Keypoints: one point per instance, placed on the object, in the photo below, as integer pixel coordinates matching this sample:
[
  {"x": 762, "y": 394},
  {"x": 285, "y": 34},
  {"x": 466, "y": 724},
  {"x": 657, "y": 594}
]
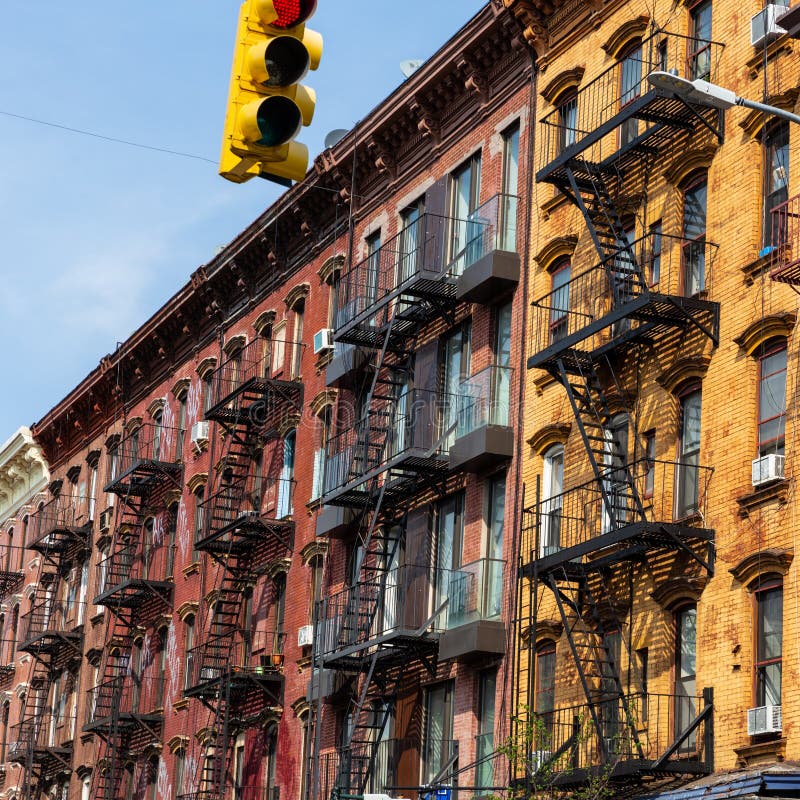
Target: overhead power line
[{"x": 107, "y": 138}]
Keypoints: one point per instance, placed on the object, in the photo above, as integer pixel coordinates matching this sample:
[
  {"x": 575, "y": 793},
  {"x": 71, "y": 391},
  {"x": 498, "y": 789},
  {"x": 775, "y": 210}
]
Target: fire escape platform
[
  {"x": 242, "y": 403},
  {"x": 663, "y": 111},
  {"x": 621, "y": 544},
  {"x": 268, "y": 680},
  {"x": 656, "y": 314},
  {"x": 418, "y": 299},
  {"x": 140, "y": 478},
  {"x": 9, "y": 579},
  {"x": 246, "y": 530},
  {"x": 630, "y": 771},
  {"x": 51, "y": 642},
  {"x": 60, "y": 538},
  {"x": 393, "y": 648},
  {"x": 125, "y": 721},
  {"x": 400, "y": 473},
  {"x": 133, "y": 593}
]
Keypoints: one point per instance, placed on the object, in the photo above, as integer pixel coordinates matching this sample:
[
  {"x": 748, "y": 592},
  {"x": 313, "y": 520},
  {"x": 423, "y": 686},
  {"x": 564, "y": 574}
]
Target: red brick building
[{"x": 272, "y": 559}]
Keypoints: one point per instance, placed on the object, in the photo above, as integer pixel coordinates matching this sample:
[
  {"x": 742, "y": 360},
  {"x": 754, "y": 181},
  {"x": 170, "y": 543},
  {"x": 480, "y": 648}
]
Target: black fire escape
[
  {"x": 125, "y": 709},
  {"x": 52, "y": 633},
  {"x": 633, "y": 306},
  {"x": 388, "y": 454},
  {"x": 247, "y": 526}
]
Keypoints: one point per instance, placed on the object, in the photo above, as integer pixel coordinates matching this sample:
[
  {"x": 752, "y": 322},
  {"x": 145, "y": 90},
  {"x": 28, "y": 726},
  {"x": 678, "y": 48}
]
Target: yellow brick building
[{"x": 658, "y": 600}]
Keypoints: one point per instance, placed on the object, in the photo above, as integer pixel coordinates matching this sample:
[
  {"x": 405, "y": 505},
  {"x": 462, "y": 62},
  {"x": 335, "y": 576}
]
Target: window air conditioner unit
[
  {"x": 539, "y": 758},
  {"x": 105, "y": 519},
  {"x": 763, "y": 25},
  {"x": 767, "y": 468},
  {"x": 200, "y": 431},
  {"x": 305, "y": 636},
  {"x": 323, "y": 340},
  {"x": 764, "y": 719}
]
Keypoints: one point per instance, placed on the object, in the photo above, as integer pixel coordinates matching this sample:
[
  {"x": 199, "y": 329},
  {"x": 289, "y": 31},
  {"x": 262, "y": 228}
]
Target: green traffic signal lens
[{"x": 279, "y": 121}]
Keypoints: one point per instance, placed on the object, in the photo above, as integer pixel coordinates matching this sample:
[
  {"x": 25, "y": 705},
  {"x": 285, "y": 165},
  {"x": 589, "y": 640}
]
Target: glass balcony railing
[
  {"x": 475, "y": 592},
  {"x": 484, "y": 399}
]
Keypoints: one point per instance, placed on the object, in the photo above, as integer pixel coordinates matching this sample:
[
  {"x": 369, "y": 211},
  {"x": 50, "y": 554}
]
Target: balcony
[
  {"x": 398, "y": 610},
  {"x": 259, "y": 384},
  {"x": 389, "y": 766},
  {"x": 236, "y": 518},
  {"x": 146, "y": 457},
  {"x": 402, "y": 442},
  {"x": 52, "y": 626},
  {"x": 654, "y": 734},
  {"x": 484, "y": 437},
  {"x": 783, "y": 245},
  {"x": 601, "y": 522},
  {"x": 44, "y": 740},
  {"x": 619, "y": 301},
  {"x": 615, "y": 120},
  {"x": 124, "y": 703},
  {"x": 240, "y": 660},
  {"x": 11, "y": 569},
  {"x": 132, "y": 575},
  {"x": 474, "y": 624},
  {"x": 59, "y": 525}
]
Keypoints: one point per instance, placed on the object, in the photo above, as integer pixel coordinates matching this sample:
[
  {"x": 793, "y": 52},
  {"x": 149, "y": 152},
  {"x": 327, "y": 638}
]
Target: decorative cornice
[
  {"x": 330, "y": 267},
  {"x": 772, "y": 326},
  {"x": 312, "y": 550},
  {"x": 634, "y": 28},
  {"x": 546, "y": 437},
  {"x": 186, "y": 609},
  {"x": 692, "y": 161},
  {"x": 754, "y": 120},
  {"x": 196, "y": 481},
  {"x": 556, "y": 249},
  {"x": 326, "y": 397},
  {"x": 180, "y": 386},
  {"x": 265, "y": 319},
  {"x": 671, "y": 593},
  {"x": 205, "y": 365},
  {"x": 296, "y": 294},
  {"x": 234, "y": 343},
  {"x": 682, "y": 371},
  {"x": 752, "y": 568},
  {"x": 566, "y": 79}
]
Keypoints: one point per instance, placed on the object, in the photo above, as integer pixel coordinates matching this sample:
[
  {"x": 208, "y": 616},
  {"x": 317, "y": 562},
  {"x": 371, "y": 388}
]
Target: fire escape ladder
[
  {"x": 578, "y": 373},
  {"x": 216, "y": 769},
  {"x": 594, "y": 661}
]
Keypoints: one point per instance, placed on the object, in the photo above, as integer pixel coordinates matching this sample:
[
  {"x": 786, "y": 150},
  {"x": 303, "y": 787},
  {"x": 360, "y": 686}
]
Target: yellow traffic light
[{"x": 267, "y": 105}]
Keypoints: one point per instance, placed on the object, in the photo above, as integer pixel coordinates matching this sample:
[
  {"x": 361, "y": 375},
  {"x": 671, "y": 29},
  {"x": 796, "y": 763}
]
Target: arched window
[
  {"x": 630, "y": 76},
  {"x": 322, "y": 431},
  {"x": 768, "y": 599},
  {"x": 199, "y": 519},
  {"x": 172, "y": 531},
  {"x": 160, "y": 661},
  {"x": 688, "y": 494},
  {"x": 552, "y": 487},
  {"x": 188, "y": 650},
  {"x": 158, "y": 424},
  {"x": 772, "y": 398},
  {"x": 559, "y": 304},
  {"x": 685, "y": 672},
  {"x": 180, "y": 428},
  {"x": 286, "y": 487},
  {"x": 567, "y": 106},
  {"x": 693, "y": 235}
]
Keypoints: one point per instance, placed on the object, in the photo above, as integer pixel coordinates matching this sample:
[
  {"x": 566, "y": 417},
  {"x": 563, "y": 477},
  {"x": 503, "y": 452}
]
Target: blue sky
[{"x": 97, "y": 235}]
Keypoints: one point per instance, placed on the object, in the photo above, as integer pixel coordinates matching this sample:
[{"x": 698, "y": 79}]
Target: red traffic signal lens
[{"x": 293, "y": 12}]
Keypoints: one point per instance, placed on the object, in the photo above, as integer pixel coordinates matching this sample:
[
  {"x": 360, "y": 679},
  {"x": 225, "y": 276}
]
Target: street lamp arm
[{"x": 772, "y": 110}]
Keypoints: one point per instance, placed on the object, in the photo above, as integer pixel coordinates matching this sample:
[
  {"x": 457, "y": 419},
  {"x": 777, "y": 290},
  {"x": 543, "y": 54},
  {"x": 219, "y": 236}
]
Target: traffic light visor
[
  {"x": 271, "y": 122},
  {"x": 285, "y": 13}
]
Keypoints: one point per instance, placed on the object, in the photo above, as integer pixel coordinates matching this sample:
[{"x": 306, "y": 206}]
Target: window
[
  {"x": 689, "y": 453},
  {"x": 769, "y": 643},
  {"x": 642, "y": 658},
  {"x": 279, "y": 605},
  {"x": 568, "y": 122},
  {"x": 686, "y": 672},
  {"x": 454, "y": 360},
  {"x": 501, "y": 388},
  {"x": 373, "y": 276},
  {"x": 4, "y": 723},
  {"x": 465, "y": 187},
  {"x": 180, "y": 433},
  {"x": 630, "y": 89},
  {"x": 437, "y": 743},
  {"x": 199, "y": 515},
  {"x": 772, "y": 400},
  {"x": 545, "y": 686},
  {"x": 559, "y": 309},
  {"x": 484, "y": 744},
  {"x": 179, "y": 772},
  {"x": 286, "y": 487},
  {"x": 510, "y": 184},
  {"x": 610, "y": 668},
  {"x": 188, "y": 645},
  {"x": 158, "y": 418},
  {"x": 776, "y": 182},
  {"x": 172, "y": 532},
  {"x": 92, "y": 491},
  {"x": 449, "y": 543},
  {"x": 207, "y": 380},
  {"x": 316, "y": 566},
  {"x": 298, "y": 313},
  {"x": 161, "y": 666},
  {"x": 14, "y": 631},
  {"x": 552, "y": 487},
  {"x": 271, "y": 760},
  {"x": 321, "y": 436},
  {"x": 695, "y": 200},
  {"x": 10, "y": 550},
  {"x": 616, "y": 484},
  {"x": 494, "y": 545},
  {"x": 699, "y": 56},
  {"x": 654, "y": 259},
  {"x": 649, "y": 463},
  {"x": 411, "y": 238},
  {"x": 279, "y": 348}
]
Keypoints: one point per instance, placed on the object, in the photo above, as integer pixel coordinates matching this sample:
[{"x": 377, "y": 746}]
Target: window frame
[
  {"x": 765, "y": 447},
  {"x": 767, "y": 585}
]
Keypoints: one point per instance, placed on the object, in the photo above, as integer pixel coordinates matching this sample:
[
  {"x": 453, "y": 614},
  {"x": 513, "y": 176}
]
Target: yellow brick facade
[{"x": 754, "y": 530}]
